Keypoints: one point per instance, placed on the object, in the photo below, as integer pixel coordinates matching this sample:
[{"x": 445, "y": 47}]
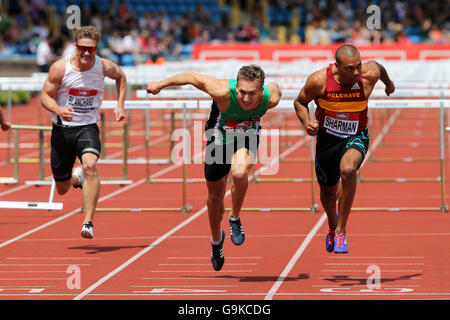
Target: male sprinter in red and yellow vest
[{"x": 340, "y": 92}]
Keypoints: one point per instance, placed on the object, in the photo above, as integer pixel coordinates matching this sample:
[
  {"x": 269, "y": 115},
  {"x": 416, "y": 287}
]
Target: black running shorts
[
  {"x": 218, "y": 157},
  {"x": 69, "y": 142},
  {"x": 329, "y": 152}
]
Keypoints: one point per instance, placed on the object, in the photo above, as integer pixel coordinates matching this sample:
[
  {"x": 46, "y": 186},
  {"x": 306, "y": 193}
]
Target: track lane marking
[
  {"x": 323, "y": 217},
  {"x": 172, "y": 231}
]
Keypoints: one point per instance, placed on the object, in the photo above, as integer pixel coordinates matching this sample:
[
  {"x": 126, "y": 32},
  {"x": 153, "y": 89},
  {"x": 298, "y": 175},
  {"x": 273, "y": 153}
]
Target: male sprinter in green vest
[{"x": 233, "y": 136}]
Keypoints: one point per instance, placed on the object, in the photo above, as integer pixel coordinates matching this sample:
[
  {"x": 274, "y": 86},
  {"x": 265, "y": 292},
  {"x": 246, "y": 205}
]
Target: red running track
[{"x": 166, "y": 255}]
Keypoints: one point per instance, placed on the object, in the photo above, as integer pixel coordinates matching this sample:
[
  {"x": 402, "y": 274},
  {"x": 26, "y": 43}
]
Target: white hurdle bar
[
  {"x": 283, "y": 104},
  {"x": 440, "y": 104},
  {"x": 50, "y": 205},
  {"x": 292, "y": 94}
]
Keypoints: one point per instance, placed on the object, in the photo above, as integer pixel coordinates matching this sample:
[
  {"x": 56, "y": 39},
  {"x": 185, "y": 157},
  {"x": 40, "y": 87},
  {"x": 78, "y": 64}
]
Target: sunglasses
[{"x": 86, "y": 48}]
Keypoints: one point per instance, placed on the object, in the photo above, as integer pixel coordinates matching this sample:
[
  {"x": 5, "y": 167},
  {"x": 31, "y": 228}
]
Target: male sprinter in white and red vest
[
  {"x": 341, "y": 93},
  {"x": 73, "y": 92}
]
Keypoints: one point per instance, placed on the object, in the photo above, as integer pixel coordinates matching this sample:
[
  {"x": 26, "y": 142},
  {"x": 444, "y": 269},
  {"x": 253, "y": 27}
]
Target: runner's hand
[
  {"x": 6, "y": 126},
  {"x": 390, "y": 88},
  {"x": 312, "y": 127},
  {"x": 153, "y": 88},
  {"x": 120, "y": 113},
  {"x": 66, "y": 113}
]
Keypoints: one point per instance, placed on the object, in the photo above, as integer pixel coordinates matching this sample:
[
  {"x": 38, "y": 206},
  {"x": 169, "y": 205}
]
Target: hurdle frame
[
  {"x": 49, "y": 205},
  {"x": 418, "y": 103}
]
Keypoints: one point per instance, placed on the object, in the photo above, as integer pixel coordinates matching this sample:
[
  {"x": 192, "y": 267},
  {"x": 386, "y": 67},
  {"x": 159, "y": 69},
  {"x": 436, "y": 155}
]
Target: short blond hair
[{"x": 89, "y": 32}]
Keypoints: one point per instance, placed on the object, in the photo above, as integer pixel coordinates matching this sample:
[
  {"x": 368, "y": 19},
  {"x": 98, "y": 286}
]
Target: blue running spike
[
  {"x": 237, "y": 232},
  {"x": 340, "y": 243},
  {"x": 217, "y": 257}
]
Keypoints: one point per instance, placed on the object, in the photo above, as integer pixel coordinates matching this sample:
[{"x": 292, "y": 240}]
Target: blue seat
[
  {"x": 128, "y": 60},
  {"x": 415, "y": 38},
  {"x": 186, "y": 51}
]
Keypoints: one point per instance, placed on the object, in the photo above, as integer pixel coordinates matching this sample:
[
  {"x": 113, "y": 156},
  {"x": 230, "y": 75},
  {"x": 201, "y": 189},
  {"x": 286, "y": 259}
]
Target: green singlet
[{"x": 235, "y": 120}]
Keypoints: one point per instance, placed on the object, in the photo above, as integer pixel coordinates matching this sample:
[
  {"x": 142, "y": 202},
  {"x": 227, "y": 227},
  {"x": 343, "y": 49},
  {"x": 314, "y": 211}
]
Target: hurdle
[
  {"x": 146, "y": 105},
  {"x": 42, "y": 181},
  {"x": 388, "y": 104},
  {"x": 49, "y": 205},
  {"x": 16, "y": 159},
  {"x": 411, "y": 84},
  {"x": 440, "y": 104}
]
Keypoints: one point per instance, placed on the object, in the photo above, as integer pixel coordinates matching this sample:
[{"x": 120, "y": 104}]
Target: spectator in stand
[
  {"x": 144, "y": 44},
  {"x": 45, "y": 55},
  {"x": 131, "y": 48},
  {"x": 130, "y": 42},
  {"x": 69, "y": 49},
  {"x": 359, "y": 33},
  {"x": 115, "y": 44},
  {"x": 320, "y": 22},
  {"x": 169, "y": 46},
  {"x": 36, "y": 10},
  {"x": 436, "y": 35},
  {"x": 155, "y": 59}
]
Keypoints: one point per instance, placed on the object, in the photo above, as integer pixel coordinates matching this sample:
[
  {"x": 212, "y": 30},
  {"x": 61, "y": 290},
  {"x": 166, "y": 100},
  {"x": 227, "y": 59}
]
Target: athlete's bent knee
[
  {"x": 90, "y": 168},
  {"x": 239, "y": 173},
  {"x": 62, "y": 187},
  {"x": 348, "y": 172}
]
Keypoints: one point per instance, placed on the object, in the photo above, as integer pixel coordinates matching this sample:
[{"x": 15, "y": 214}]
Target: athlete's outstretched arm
[
  {"x": 216, "y": 88},
  {"x": 51, "y": 87},
  {"x": 311, "y": 89},
  {"x": 113, "y": 71}
]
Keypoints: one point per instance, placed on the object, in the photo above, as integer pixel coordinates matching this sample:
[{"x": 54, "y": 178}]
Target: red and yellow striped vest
[{"x": 342, "y": 110}]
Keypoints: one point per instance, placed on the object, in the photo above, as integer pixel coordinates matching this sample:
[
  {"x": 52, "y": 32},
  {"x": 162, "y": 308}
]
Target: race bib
[
  {"x": 82, "y": 100},
  {"x": 341, "y": 124},
  {"x": 235, "y": 126}
]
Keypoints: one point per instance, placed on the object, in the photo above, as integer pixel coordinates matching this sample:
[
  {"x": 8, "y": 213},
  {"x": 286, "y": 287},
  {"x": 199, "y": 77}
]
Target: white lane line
[
  {"x": 189, "y": 278},
  {"x": 205, "y": 264},
  {"x": 25, "y": 186},
  {"x": 56, "y": 258},
  {"x": 196, "y": 271},
  {"x": 32, "y": 271},
  {"x": 4, "y": 193},
  {"x": 170, "y": 233},
  {"x": 333, "y": 279},
  {"x": 301, "y": 235},
  {"x": 189, "y": 258},
  {"x": 39, "y": 265},
  {"x": 365, "y": 285},
  {"x": 401, "y": 294},
  {"x": 189, "y": 286},
  {"x": 375, "y": 257},
  {"x": 108, "y": 196},
  {"x": 26, "y": 287},
  {"x": 365, "y": 271},
  {"x": 380, "y": 264},
  {"x": 140, "y": 253},
  {"x": 294, "y": 258},
  {"x": 404, "y": 294},
  {"x": 15, "y": 279},
  {"x": 322, "y": 219}
]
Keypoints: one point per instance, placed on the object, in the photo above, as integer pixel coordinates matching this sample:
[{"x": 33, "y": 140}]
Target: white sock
[
  {"x": 233, "y": 219},
  {"x": 217, "y": 242}
]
